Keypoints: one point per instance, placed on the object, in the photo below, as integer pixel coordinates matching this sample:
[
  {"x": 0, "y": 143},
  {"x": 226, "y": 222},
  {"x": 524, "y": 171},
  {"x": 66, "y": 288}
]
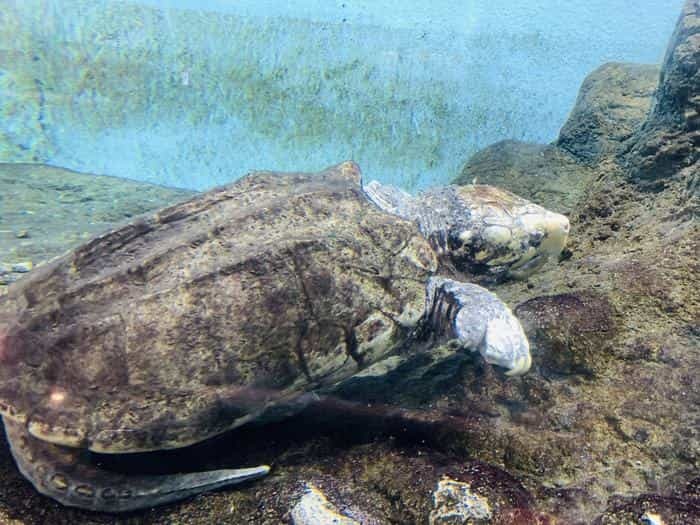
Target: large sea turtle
[{"x": 190, "y": 322}]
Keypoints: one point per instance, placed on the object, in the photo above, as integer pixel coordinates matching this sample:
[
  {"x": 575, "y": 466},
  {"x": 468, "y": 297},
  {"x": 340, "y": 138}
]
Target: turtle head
[
  {"x": 544, "y": 235},
  {"x": 489, "y": 231}
]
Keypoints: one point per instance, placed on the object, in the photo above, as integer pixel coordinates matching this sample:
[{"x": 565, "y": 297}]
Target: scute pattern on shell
[{"x": 188, "y": 322}]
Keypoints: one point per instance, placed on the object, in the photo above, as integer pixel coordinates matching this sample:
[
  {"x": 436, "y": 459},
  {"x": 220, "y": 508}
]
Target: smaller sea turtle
[{"x": 240, "y": 302}]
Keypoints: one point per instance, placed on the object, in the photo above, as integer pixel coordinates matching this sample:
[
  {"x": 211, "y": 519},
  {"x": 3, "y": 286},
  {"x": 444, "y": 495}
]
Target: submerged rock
[
  {"x": 611, "y": 410},
  {"x": 314, "y": 509},
  {"x": 669, "y": 141},
  {"x": 544, "y": 174},
  {"x": 454, "y": 503},
  {"x": 651, "y": 509},
  {"x": 570, "y": 333},
  {"x": 612, "y": 103},
  {"x": 62, "y": 208}
]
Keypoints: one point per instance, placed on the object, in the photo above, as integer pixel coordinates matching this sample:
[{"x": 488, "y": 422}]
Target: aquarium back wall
[{"x": 196, "y": 93}]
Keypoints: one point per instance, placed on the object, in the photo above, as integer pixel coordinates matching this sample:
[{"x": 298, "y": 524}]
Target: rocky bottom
[{"x": 607, "y": 419}]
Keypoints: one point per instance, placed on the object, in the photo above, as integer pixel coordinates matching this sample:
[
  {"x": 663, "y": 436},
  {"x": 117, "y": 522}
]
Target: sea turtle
[{"x": 197, "y": 319}]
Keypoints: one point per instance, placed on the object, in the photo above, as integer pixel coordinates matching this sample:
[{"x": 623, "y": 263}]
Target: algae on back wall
[
  {"x": 296, "y": 104},
  {"x": 113, "y": 87},
  {"x": 124, "y": 75}
]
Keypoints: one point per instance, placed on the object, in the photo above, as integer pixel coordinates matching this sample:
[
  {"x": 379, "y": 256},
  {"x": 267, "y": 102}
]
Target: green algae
[{"x": 129, "y": 67}]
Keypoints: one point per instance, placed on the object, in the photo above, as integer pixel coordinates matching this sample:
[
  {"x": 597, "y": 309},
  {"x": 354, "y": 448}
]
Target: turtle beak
[
  {"x": 521, "y": 365},
  {"x": 556, "y": 232},
  {"x": 547, "y": 233},
  {"x": 505, "y": 344}
]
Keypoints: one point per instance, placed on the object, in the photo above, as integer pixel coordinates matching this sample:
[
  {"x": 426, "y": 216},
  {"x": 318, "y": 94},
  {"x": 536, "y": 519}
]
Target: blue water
[{"x": 196, "y": 93}]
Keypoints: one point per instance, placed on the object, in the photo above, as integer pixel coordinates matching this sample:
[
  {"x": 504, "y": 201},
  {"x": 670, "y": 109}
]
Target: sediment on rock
[{"x": 541, "y": 173}]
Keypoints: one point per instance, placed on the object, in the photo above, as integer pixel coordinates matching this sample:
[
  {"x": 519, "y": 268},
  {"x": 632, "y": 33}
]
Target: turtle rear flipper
[{"x": 67, "y": 475}]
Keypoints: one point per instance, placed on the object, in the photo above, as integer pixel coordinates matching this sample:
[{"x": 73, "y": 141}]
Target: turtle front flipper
[
  {"x": 67, "y": 475},
  {"x": 480, "y": 321}
]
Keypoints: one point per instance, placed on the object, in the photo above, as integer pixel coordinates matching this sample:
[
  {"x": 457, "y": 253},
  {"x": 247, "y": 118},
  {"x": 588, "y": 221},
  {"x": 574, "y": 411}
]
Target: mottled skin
[
  {"x": 196, "y": 320},
  {"x": 487, "y": 232}
]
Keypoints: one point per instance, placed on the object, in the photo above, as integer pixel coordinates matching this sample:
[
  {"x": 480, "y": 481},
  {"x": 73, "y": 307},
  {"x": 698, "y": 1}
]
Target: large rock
[
  {"x": 607, "y": 418},
  {"x": 652, "y": 509},
  {"x": 612, "y": 104},
  {"x": 544, "y": 174},
  {"x": 569, "y": 333},
  {"x": 45, "y": 211},
  {"x": 669, "y": 141}
]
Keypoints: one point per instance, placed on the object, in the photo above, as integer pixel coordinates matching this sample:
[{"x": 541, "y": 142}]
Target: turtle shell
[{"x": 186, "y": 323}]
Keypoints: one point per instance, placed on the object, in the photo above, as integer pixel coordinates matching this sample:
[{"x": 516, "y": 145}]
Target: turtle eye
[
  {"x": 536, "y": 238},
  {"x": 465, "y": 237},
  {"x": 454, "y": 242}
]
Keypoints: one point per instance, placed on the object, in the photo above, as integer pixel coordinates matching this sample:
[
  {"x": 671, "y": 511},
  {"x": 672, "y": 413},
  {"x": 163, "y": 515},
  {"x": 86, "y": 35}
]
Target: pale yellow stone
[
  {"x": 455, "y": 502},
  {"x": 314, "y": 509}
]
